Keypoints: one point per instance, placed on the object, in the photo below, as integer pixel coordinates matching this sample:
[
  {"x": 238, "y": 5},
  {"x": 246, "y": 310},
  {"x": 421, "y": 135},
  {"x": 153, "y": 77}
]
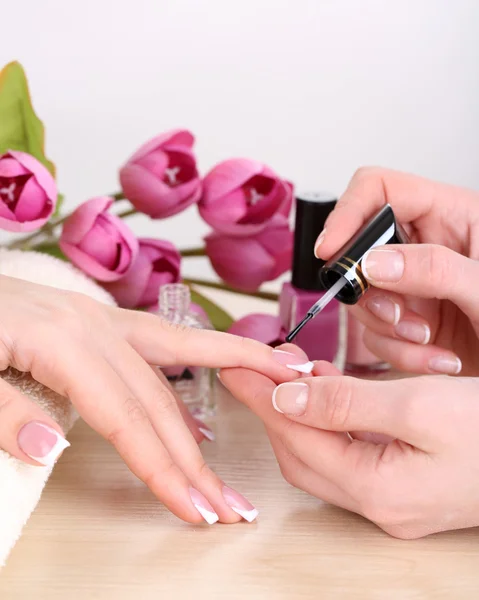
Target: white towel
[{"x": 21, "y": 485}]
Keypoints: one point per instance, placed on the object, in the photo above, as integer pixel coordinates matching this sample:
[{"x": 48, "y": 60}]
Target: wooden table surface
[{"x": 100, "y": 534}]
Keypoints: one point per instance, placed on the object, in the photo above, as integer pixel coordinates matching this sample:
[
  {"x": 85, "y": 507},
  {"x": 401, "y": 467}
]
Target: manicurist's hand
[
  {"x": 423, "y": 481},
  {"x": 422, "y": 315},
  {"x": 99, "y": 357}
]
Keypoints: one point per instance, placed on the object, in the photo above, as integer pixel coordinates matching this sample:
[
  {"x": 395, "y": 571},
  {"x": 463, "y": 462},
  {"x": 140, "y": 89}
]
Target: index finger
[
  {"x": 410, "y": 196},
  {"x": 162, "y": 343}
]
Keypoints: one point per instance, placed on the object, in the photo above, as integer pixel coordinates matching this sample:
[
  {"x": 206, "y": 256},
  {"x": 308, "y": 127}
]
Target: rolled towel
[{"x": 21, "y": 485}]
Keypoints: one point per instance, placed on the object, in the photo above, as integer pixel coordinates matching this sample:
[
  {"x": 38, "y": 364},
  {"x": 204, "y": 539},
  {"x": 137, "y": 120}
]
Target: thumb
[
  {"x": 425, "y": 271},
  {"x": 402, "y": 409}
]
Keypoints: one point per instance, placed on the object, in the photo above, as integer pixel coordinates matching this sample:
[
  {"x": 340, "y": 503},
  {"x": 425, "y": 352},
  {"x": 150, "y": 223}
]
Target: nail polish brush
[{"x": 342, "y": 275}]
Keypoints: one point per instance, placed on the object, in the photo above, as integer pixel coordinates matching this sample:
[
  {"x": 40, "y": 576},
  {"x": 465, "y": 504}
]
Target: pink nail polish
[
  {"x": 41, "y": 442},
  {"x": 203, "y": 506},
  {"x": 239, "y": 504},
  {"x": 292, "y": 361}
]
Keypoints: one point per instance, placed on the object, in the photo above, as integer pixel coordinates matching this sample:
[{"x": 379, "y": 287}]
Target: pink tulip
[
  {"x": 247, "y": 262},
  {"x": 157, "y": 263},
  {"x": 240, "y": 197},
  {"x": 161, "y": 178},
  {"x": 28, "y": 192},
  {"x": 264, "y": 328},
  {"x": 99, "y": 243}
]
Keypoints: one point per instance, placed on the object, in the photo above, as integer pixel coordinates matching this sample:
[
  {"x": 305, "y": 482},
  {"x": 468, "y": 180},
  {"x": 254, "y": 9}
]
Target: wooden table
[{"x": 100, "y": 534}]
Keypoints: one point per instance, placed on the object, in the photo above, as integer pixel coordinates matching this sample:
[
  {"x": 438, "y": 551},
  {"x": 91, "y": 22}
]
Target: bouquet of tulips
[{"x": 245, "y": 202}]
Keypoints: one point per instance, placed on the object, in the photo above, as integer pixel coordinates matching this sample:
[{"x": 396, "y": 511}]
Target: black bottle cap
[
  {"x": 346, "y": 263},
  {"x": 312, "y": 210}
]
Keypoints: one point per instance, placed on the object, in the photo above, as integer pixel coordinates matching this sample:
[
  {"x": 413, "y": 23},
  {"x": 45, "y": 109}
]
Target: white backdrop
[{"x": 315, "y": 88}]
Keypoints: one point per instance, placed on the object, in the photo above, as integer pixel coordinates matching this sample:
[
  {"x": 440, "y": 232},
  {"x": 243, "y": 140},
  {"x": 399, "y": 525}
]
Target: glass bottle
[{"x": 194, "y": 385}]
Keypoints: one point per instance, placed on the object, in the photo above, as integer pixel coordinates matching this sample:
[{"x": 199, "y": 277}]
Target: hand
[
  {"x": 423, "y": 481},
  {"x": 99, "y": 357},
  {"x": 422, "y": 315}
]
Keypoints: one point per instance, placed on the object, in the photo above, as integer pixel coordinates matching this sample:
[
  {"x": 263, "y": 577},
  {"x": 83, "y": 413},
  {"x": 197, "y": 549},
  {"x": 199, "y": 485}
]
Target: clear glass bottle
[{"x": 194, "y": 385}]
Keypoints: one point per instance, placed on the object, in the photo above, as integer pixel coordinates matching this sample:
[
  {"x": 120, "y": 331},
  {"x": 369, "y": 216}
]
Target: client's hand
[
  {"x": 99, "y": 357},
  {"x": 422, "y": 479}
]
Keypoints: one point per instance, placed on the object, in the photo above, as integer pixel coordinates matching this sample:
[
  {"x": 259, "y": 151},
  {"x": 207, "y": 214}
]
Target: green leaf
[
  {"x": 20, "y": 128},
  {"x": 52, "y": 249},
  {"x": 220, "y": 319}
]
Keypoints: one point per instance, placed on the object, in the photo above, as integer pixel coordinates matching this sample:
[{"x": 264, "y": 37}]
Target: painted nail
[
  {"x": 385, "y": 309},
  {"x": 239, "y": 504},
  {"x": 291, "y": 398},
  {"x": 206, "y": 431},
  {"x": 319, "y": 241},
  {"x": 292, "y": 361},
  {"x": 414, "y": 332},
  {"x": 383, "y": 265},
  {"x": 450, "y": 365},
  {"x": 203, "y": 507},
  {"x": 41, "y": 442}
]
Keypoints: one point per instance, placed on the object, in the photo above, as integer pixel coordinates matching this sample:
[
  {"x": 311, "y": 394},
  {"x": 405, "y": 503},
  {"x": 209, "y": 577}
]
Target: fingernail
[
  {"x": 319, "y": 241},
  {"x": 292, "y": 361},
  {"x": 385, "y": 309},
  {"x": 450, "y": 365},
  {"x": 383, "y": 265},
  {"x": 206, "y": 431},
  {"x": 41, "y": 442},
  {"x": 414, "y": 332},
  {"x": 203, "y": 507},
  {"x": 291, "y": 398},
  {"x": 239, "y": 504}
]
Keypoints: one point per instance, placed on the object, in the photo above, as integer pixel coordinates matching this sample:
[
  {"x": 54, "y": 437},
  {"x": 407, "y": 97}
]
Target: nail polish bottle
[
  {"x": 360, "y": 360},
  {"x": 325, "y": 338},
  {"x": 194, "y": 385}
]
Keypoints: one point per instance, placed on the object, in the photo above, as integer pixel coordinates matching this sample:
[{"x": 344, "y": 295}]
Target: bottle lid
[{"x": 312, "y": 210}]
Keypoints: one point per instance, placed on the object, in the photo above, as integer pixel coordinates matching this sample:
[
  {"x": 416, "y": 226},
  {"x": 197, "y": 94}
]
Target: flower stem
[
  {"x": 127, "y": 213},
  {"x": 193, "y": 252},
  {"x": 227, "y": 288},
  {"x": 117, "y": 196}
]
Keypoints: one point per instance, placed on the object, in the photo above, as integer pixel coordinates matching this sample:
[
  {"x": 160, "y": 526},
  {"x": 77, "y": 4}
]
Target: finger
[
  {"x": 256, "y": 391},
  {"x": 426, "y": 271},
  {"x": 199, "y": 430},
  {"x": 412, "y": 358},
  {"x": 109, "y": 407},
  {"x": 303, "y": 477},
  {"x": 371, "y": 188},
  {"x": 163, "y": 412},
  {"x": 411, "y": 326},
  {"x": 399, "y": 408},
  {"x": 164, "y": 344},
  {"x": 26, "y": 432},
  {"x": 322, "y": 367}
]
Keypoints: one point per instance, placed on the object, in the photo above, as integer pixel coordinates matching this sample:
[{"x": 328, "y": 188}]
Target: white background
[{"x": 314, "y": 88}]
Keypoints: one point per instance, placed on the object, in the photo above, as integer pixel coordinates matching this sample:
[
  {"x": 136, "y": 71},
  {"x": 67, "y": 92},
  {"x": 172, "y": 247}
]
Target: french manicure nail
[
  {"x": 385, "y": 309},
  {"x": 319, "y": 241},
  {"x": 449, "y": 365},
  {"x": 383, "y": 265},
  {"x": 291, "y": 398},
  {"x": 203, "y": 507},
  {"x": 414, "y": 332},
  {"x": 41, "y": 442},
  {"x": 206, "y": 431},
  {"x": 239, "y": 504},
  {"x": 292, "y": 361}
]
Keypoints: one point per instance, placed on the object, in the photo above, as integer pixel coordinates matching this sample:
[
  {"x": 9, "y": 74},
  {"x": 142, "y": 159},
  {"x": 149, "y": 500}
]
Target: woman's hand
[
  {"x": 422, "y": 315},
  {"x": 99, "y": 357},
  {"x": 423, "y": 479}
]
